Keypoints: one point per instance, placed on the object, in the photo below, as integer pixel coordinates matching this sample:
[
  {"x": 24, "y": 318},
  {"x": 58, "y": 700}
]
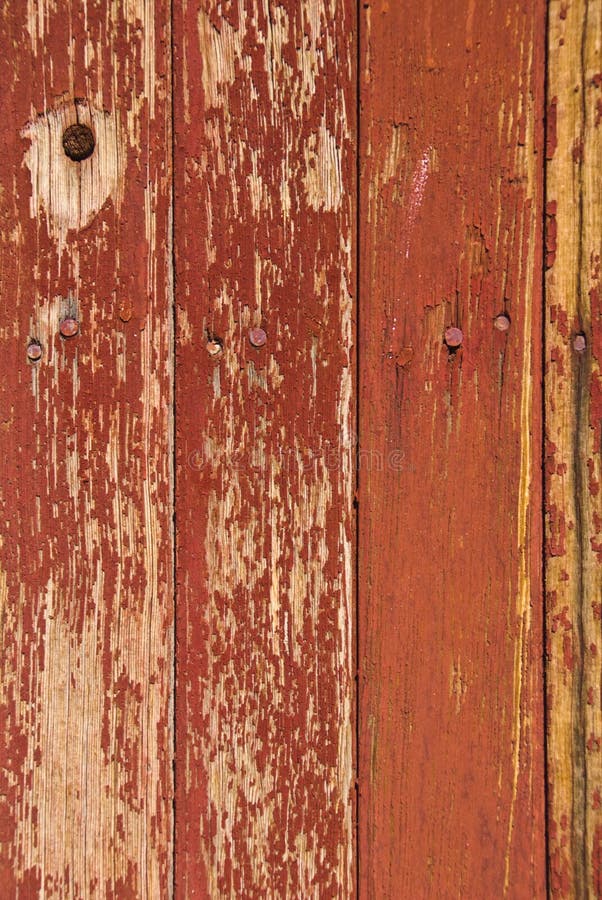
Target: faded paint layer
[
  {"x": 573, "y": 332},
  {"x": 265, "y": 224},
  {"x": 85, "y": 502},
  {"x": 450, "y": 595}
]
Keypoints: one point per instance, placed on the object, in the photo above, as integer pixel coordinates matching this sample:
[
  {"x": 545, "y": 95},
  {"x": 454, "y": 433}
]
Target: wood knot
[{"x": 78, "y": 142}]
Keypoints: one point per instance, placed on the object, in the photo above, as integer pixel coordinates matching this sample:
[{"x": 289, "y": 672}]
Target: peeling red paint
[
  {"x": 551, "y": 233},
  {"x": 596, "y": 547},
  {"x": 559, "y": 317},
  {"x": 265, "y": 178},
  {"x": 556, "y": 543},
  {"x": 85, "y": 439},
  {"x": 557, "y": 357},
  {"x": 551, "y": 125},
  {"x": 561, "y": 620},
  {"x": 568, "y": 654}
]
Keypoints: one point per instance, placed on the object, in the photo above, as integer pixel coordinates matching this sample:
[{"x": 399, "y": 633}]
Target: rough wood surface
[
  {"x": 86, "y": 592},
  {"x": 450, "y": 620},
  {"x": 451, "y": 623},
  {"x": 573, "y": 337},
  {"x": 265, "y": 224}
]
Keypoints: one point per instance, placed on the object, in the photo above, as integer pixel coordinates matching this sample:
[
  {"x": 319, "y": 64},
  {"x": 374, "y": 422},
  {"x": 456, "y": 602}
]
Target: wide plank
[
  {"x": 86, "y": 552},
  {"x": 450, "y": 585},
  {"x": 265, "y": 177}
]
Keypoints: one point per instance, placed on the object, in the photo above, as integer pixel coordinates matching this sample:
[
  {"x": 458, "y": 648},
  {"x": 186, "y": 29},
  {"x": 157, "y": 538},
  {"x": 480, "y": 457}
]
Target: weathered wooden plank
[
  {"x": 573, "y": 411},
  {"x": 265, "y": 223},
  {"x": 86, "y": 505},
  {"x": 450, "y": 612}
]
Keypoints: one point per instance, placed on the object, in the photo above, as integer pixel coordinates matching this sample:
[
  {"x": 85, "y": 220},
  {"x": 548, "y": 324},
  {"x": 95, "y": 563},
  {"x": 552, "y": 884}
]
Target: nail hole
[
  {"x": 34, "y": 351},
  {"x": 78, "y": 142},
  {"x": 453, "y": 337},
  {"x": 69, "y": 327},
  {"x": 215, "y": 347},
  {"x": 257, "y": 337}
]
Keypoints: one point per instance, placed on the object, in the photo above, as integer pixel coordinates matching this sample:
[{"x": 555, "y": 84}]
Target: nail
[
  {"x": 579, "y": 343},
  {"x": 502, "y": 322},
  {"x": 69, "y": 327},
  {"x": 34, "y": 351},
  {"x": 78, "y": 142},
  {"x": 215, "y": 347},
  {"x": 453, "y": 337},
  {"x": 257, "y": 337}
]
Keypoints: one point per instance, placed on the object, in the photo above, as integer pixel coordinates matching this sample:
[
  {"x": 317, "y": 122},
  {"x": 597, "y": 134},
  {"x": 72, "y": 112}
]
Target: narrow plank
[
  {"x": 573, "y": 411},
  {"x": 264, "y": 110},
  {"x": 450, "y": 610},
  {"x": 86, "y": 506}
]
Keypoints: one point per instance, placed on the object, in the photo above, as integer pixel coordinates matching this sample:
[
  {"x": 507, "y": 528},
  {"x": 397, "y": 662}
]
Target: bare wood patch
[{"x": 71, "y": 193}]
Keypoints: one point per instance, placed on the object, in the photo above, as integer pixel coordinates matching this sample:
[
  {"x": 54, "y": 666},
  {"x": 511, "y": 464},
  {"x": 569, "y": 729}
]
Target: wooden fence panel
[
  {"x": 265, "y": 175},
  {"x": 86, "y": 508},
  {"x": 573, "y": 413},
  {"x": 257, "y": 361},
  {"x": 450, "y": 611}
]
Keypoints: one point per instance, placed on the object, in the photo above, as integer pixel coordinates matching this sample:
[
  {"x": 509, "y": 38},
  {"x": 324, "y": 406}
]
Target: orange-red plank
[
  {"x": 265, "y": 172},
  {"x": 450, "y": 593},
  {"x": 85, "y": 500}
]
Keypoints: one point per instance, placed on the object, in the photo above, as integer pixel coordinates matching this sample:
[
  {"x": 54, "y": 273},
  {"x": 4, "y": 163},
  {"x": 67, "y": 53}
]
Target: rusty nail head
[
  {"x": 257, "y": 337},
  {"x": 69, "y": 327},
  {"x": 78, "y": 142},
  {"x": 453, "y": 337},
  {"x": 502, "y": 322},
  {"x": 214, "y": 347},
  {"x": 34, "y": 351},
  {"x": 579, "y": 343}
]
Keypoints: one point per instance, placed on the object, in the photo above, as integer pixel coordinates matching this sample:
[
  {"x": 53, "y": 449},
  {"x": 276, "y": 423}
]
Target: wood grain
[
  {"x": 450, "y": 591},
  {"x": 265, "y": 223},
  {"x": 573, "y": 390},
  {"x": 86, "y": 588}
]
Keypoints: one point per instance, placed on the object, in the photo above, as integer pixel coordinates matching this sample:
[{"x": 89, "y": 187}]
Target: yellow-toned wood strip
[{"x": 573, "y": 415}]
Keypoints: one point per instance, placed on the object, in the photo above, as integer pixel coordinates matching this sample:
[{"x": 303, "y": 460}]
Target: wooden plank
[
  {"x": 573, "y": 391},
  {"x": 265, "y": 171},
  {"x": 450, "y": 613},
  {"x": 86, "y": 506}
]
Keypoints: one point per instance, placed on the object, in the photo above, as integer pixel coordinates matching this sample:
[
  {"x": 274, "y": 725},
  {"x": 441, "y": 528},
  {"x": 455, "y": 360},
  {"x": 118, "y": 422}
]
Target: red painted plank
[
  {"x": 265, "y": 225},
  {"x": 450, "y": 593},
  {"x": 85, "y": 502}
]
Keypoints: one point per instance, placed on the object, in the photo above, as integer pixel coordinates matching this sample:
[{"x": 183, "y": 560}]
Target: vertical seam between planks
[
  {"x": 172, "y": 263},
  {"x": 581, "y": 490},
  {"x": 358, "y": 111},
  {"x": 544, "y": 427}
]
